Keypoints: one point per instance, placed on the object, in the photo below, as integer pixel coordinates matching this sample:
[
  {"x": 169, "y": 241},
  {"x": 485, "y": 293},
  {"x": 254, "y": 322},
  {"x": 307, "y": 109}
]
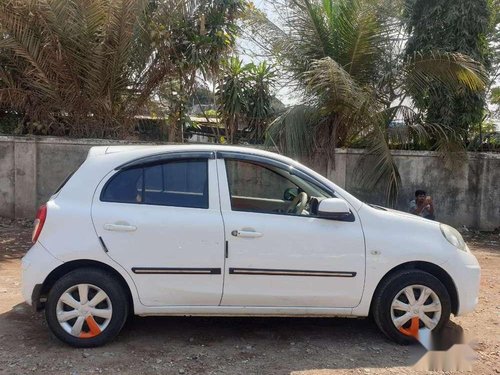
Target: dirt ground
[{"x": 178, "y": 345}]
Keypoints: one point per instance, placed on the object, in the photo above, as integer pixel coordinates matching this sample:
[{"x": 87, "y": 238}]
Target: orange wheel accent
[
  {"x": 413, "y": 330},
  {"x": 93, "y": 326}
]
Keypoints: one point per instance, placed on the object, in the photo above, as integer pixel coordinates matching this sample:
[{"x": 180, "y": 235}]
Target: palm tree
[
  {"x": 244, "y": 98},
  {"x": 346, "y": 58},
  {"x": 74, "y": 67},
  {"x": 261, "y": 79},
  {"x": 231, "y": 94}
]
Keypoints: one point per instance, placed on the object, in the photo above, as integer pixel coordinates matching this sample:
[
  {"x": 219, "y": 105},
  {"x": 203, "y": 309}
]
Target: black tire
[
  {"x": 102, "y": 280},
  {"x": 390, "y": 287}
]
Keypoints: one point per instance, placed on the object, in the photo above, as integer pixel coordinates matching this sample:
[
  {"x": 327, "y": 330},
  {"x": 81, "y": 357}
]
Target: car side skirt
[{"x": 261, "y": 311}]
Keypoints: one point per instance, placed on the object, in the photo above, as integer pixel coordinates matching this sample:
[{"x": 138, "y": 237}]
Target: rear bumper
[
  {"x": 36, "y": 265},
  {"x": 36, "y": 303}
]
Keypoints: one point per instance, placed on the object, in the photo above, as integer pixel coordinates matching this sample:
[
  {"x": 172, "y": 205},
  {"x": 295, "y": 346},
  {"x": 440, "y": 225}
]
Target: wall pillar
[
  {"x": 337, "y": 169},
  {"x": 7, "y": 200},
  {"x": 25, "y": 184}
]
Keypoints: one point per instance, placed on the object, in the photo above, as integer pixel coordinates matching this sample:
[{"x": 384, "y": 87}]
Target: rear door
[{"x": 160, "y": 220}]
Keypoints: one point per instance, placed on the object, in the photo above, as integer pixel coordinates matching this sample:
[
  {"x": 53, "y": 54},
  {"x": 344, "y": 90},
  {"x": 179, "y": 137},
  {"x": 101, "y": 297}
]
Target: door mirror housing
[{"x": 335, "y": 209}]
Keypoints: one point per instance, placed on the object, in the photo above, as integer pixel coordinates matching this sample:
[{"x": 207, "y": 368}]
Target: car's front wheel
[
  {"x": 86, "y": 308},
  {"x": 408, "y": 301}
]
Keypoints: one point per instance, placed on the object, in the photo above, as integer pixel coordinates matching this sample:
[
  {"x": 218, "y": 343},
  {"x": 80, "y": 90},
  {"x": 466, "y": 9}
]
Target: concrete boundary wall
[{"x": 31, "y": 168}]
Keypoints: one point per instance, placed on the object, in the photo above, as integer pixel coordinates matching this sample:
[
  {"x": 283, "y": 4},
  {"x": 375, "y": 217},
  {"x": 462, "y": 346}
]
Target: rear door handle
[
  {"x": 246, "y": 233},
  {"x": 120, "y": 227}
]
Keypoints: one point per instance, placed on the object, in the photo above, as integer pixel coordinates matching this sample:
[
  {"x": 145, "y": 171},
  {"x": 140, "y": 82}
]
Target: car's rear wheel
[
  {"x": 86, "y": 308},
  {"x": 408, "y": 301}
]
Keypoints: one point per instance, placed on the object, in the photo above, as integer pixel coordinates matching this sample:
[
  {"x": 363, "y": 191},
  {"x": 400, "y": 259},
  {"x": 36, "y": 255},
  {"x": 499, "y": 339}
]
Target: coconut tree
[{"x": 346, "y": 59}]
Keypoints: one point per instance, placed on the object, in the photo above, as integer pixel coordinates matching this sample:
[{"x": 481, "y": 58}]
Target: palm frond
[
  {"x": 451, "y": 69},
  {"x": 73, "y": 58},
  {"x": 294, "y": 131},
  {"x": 406, "y": 127},
  {"x": 329, "y": 81},
  {"x": 383, "y": 168},
  {"x": 349, "y": 106}
]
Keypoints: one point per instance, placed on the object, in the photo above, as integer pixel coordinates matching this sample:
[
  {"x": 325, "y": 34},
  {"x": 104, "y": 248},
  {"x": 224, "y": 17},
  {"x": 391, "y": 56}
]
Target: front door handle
[
  {"x": 120, "y": 227},
  {"x": 246, "y": 233}
]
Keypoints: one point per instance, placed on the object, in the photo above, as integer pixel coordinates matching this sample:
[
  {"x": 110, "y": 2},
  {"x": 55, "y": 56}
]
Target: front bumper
[
  {"x": 36, "y": 265},
  {"x": 466, "y": 274}
]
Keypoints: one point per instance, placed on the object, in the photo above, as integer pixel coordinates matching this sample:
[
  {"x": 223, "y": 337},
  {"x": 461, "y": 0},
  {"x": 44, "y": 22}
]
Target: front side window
[
  {"x": 180, "y": 183},
  {"x": 262, "y": 188},
  {"x": 256, "y": 181}
]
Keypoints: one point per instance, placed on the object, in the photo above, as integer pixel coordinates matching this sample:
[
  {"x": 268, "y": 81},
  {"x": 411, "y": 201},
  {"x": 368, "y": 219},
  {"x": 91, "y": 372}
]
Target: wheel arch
[
  {"x": 430, "y": 268},
  {"x": 67, "y": 267}
]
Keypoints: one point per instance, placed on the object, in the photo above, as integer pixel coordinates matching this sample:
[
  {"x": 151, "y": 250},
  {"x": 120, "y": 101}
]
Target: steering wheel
[{"x": 298, "y": 204}]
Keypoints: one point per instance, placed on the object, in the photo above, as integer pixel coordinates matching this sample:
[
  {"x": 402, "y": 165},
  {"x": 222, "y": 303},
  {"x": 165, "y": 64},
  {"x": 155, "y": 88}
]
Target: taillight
[{"x": 39, "y": 221}]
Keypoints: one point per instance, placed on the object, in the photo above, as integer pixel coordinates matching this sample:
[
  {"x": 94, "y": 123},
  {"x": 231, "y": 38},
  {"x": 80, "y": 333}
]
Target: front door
[
  {"x": 278, "y": 252},
  {"x": 161, "y": 222}
]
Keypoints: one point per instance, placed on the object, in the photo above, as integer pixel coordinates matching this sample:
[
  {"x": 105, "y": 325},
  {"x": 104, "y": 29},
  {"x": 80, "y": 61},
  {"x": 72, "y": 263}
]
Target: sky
[{"x": 247, "y": 50}]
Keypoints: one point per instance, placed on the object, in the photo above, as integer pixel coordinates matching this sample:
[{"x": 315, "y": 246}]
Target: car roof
[{"x": 137, "y": 151}]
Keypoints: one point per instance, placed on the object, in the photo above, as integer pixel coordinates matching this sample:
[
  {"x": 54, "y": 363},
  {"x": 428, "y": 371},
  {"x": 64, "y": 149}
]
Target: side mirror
[
  {"x": 335, "y": 209},
  {"x": 290, "y": 194}
]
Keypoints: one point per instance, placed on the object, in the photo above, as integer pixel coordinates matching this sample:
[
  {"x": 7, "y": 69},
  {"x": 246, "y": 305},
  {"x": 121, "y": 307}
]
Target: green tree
[
  {"x": 195, "y": 36},
  {"x": 493, "y": 91},
  {"x": 346, "y": 59},
  {"x": 202, "y": 95},
  {"x": 87, "y": 68},
  {"x": 245, "y": 98},
  {"x": 495, "y": 101},
  {"x": 459, "y": 26},
  {"x": 259, "y": 98},
  {"x": 231, "y": 95}
]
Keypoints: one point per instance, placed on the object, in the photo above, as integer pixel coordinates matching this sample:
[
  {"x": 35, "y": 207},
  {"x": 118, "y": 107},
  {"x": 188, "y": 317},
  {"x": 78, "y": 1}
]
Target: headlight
[{"x": 454, "y": 237}]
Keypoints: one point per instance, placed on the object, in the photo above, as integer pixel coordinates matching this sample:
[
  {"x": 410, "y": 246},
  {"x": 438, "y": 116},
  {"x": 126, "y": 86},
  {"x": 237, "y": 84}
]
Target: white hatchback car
[{"x": 217, "y": 230}]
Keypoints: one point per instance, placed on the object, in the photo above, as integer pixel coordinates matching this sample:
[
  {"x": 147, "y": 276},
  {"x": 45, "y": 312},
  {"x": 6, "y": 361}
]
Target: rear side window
[{"x": 181, "y": 183}]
